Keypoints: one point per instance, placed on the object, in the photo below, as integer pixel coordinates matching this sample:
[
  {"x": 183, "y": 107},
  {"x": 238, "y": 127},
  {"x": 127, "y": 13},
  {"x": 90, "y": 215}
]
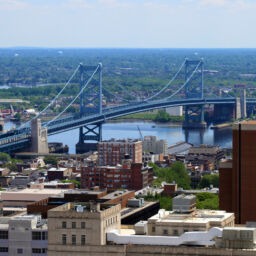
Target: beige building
[
  {"x": 152, "y": 144},
  {"x": 186, "y": 218},
  {"x": 74, "y": 228}
]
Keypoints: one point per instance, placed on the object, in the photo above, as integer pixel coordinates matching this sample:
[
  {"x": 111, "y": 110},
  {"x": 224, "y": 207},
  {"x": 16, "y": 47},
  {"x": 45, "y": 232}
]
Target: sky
[{"x": 128, "y": 23}]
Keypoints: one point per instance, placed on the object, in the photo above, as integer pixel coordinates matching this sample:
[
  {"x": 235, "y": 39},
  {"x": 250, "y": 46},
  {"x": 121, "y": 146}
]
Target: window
[
  {"x": 73, "y": 224},
  {"x": 39, "y": 250},
  {"x": 82, "y": 224},
  {"x": 82, "y": 239},
  {"x": 36, "y": 235},
  {"x": 45, "y": 235},
  {"x": 165, "y": 232},
  {"x": 19, "y": 251},
  {"x": 36, "y": 250},
  {"x": 3, "y": 234},
  {"x": 64, "y": 224},
  {"x": 175, "y": 232},
  {"x": 64, "y": 239},
  {"x": 73, "y": 239},
  {"x": 3, "y": 249},
  {"x": 153, "y": 229}
]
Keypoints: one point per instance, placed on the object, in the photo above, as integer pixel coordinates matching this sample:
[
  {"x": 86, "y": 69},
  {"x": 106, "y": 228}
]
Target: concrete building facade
[
  {"x": 151, "y": 144},
  {"x": 75, "y": 227}
]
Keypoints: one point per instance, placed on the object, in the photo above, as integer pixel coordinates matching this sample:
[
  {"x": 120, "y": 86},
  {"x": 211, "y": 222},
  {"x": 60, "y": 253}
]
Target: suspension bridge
[{"x": 185, "y": 88}]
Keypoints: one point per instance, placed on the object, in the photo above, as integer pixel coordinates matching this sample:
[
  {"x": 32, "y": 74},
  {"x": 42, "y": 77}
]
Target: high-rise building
[
  {"x": 112, "y": 152},
  {"x": 151, "y": 144},
  {"x": 237, "y": 177}
]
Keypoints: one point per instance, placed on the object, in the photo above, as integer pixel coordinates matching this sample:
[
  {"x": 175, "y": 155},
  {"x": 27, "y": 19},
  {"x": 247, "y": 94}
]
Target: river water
[{"x": 171, "y": 133}]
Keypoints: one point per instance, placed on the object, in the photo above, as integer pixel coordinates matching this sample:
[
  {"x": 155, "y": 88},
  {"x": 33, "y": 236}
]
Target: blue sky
[{"x": 128, "y": 23}]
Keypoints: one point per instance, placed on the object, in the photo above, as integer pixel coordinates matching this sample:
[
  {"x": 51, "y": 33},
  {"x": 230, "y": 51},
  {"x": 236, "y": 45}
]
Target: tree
[
  {"x": 162, "y": 116},
  {"x": 50, "y": 159},
  {"x": 177, "y": 172},
  {"x": 206, "y": 200},
  {"x": 208, "y": 180},
  {"x": 5, "y": 157}
]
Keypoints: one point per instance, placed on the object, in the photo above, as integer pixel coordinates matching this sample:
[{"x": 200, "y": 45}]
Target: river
[{"x": 171, "y": 133}]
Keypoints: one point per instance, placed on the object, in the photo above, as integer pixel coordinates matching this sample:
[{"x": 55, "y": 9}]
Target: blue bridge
[{"x": 190, "y": 94}]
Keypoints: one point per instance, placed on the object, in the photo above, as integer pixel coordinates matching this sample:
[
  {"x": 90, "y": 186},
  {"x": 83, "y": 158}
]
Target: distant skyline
[{"x": 128, "y": 23}]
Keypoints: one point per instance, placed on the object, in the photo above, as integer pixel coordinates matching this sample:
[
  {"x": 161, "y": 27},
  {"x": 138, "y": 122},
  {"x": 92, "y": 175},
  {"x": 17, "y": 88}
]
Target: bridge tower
[
  {"x": 194, "y": 89},
  {"x": 39, "y": 143},
  {"x": 90, "y": 103}
]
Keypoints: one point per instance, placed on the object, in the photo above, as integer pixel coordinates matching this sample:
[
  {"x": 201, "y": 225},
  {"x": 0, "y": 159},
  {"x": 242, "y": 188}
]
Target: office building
[
  {"x": 151, "y": 144},
  {"x": 237, "y": 177},
  {"x": 112, "y": 152},
  {"x": 74, "y": 228}
]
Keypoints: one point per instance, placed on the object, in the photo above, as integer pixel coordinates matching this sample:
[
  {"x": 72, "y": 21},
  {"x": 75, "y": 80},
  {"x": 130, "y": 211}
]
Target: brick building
[
  {"x": 237, "y": 177},
  {"x": 127, "y": 176},
  {"x": 112, "y": 152}
]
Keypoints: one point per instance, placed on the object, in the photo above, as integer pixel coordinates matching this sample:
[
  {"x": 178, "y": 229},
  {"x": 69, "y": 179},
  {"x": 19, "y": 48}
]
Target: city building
[
  {"x": 127, "y": 176},
  {"x": 74, "y": 228},
  {"x": 186, "y": 218},
  {"x": 206, "y": 156},
  {"x": 237, "y": 176},
  {"x": 152, "y": 145},
  {"x": 112, "y": 152},
  {"x": 23, "y": 235}
]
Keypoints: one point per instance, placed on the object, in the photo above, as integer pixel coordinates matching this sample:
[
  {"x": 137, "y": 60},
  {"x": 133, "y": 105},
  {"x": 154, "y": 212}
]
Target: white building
[
  {"x": 23, "y": 235},
  {"x": 151, "y": 144}
]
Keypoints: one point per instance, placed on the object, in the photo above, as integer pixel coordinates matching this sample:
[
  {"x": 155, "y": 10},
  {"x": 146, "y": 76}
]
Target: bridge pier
[
  {"x": 1, "y": 124},
  {"x": 86, "y": 138},
  {"x": 194, "y": 117},
  {"x": 39, "y": 143}
]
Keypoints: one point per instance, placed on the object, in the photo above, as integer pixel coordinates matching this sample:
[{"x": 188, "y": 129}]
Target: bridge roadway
[{"x": 21, "y": 138}]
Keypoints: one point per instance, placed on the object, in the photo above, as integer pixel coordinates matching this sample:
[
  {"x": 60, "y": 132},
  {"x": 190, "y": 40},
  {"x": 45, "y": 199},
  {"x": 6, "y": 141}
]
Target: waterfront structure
[
  {"x": 112, "y": 152},
  {"x": 237, "y": 176},
  {"x": 151, "y": 144}
]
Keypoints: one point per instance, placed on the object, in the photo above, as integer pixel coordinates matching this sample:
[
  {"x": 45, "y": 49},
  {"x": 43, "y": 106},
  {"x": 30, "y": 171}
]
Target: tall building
[
  {"x": 112, "y": 152},
  {"x": 237, "y": 177},
  {"x": 151, "y": 144}
]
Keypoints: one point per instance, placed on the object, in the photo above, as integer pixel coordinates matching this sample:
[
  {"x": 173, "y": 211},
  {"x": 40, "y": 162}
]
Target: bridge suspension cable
[
  {"x": 189, "y": 78},
  {"x": 54, "y": 99},
  {"x": 81, "y": 91},
  {"x": 166, "y": 86}
]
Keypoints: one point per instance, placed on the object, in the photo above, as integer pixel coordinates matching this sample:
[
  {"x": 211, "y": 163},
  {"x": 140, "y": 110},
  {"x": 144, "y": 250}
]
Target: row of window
[
  {"x": 38, "y": 235},
  {"x": 73, "y": 224},
  {"x": 20, "y": 250},
  {"x": 73, "y": 239}
]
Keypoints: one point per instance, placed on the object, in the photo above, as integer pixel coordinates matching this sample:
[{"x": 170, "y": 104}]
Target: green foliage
[
  {"x": 12, "y": 165},
  {"x": 50, "y": 159},
  {"x": 5, "y": 157},
  {"x": 75, "y": 182},
  {"x": 162, "y": 116},
  {"x": 206, "y": 200},
  {"x": 208, "y": 180},
  {"x": 177, "y": 172},
  {"x": 165, "y": 201}
]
